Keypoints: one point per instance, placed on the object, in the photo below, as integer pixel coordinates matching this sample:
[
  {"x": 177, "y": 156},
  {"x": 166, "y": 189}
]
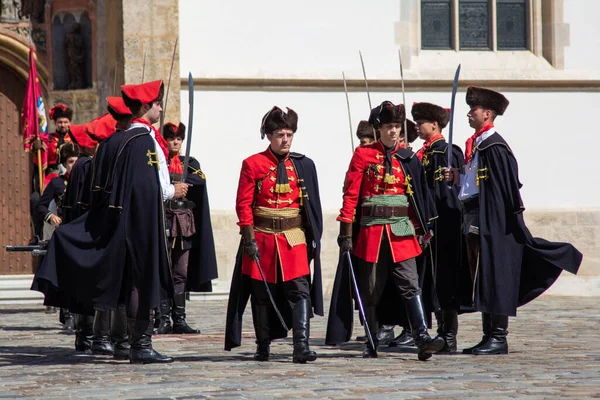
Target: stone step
[{"x": 14, "y": 289}]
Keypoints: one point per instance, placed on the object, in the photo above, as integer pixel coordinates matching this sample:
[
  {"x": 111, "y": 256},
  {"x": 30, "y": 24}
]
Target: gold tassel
[
  {"x": 283, "y": 188},
  {"x": 389, "y": 179},
  {"x": 409, "y": 190}
]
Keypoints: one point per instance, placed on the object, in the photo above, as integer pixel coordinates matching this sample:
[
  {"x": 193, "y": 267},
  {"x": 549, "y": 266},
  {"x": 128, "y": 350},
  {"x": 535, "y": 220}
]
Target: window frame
[{"x": 493, "y": 29}]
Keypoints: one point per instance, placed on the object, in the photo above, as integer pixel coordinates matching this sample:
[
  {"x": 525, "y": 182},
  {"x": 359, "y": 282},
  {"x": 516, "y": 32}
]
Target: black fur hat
[
  {"x": 430, "y": 112},
  {"x": 67, "y": 151},
  {"x": 387, "y": 113},
  {"x": 487, "y": 98},
  {"x": 170, "y": 130},
  {"x": 365, "y": 129},
  {"x": 61, "y": 111},
  {"x": 276, "y": 119}
]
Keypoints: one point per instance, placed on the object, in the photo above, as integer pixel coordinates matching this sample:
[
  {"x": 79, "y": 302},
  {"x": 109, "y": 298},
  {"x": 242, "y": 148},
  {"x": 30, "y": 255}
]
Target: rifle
[{"x": 35, "y": 249}]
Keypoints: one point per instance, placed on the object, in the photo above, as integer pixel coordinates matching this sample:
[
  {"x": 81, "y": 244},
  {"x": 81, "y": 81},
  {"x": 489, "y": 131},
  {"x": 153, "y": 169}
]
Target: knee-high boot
[
  {"x": 449, "y": 330},
  {"x": 101, "y": 343},
  {"x": 118, "y": 333},
  {"x": 497, "y": 343},
  {"x": 164, "y": 325},
  {"x": 179, "y": 323},
  {"x": 140, "y": 339},
  {"x": 301, "y": 331},
  {"x": 85, "y": 333},
  {"x": 261, "y": 329},
  {"x": 427, "y": 345},
  {"x": 486, "y": 325}
]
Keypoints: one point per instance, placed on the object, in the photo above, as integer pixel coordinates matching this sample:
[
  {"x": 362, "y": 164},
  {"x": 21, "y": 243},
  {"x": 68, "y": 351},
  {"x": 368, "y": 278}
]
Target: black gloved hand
[
  {"x": 251, "y": 249},
  {"x": 345, "y": 243}
]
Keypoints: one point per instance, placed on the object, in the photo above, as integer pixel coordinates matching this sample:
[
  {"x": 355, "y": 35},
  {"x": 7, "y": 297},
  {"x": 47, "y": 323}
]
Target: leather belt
[
  {"x": 278, "y": 224},
  {"x": 179, "y": 205},
  {"x": 384, "y": 211}
]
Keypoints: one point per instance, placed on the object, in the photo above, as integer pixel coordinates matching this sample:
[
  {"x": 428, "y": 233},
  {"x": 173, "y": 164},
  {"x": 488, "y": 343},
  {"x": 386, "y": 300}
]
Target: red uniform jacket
[
  {"x": 256, "y": 188},
  {"x": 365, "y": 178},
  {"x": 53, "y": 149}
]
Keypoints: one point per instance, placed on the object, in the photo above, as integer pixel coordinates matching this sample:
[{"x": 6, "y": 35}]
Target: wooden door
[{"x": 15, "y": 177}]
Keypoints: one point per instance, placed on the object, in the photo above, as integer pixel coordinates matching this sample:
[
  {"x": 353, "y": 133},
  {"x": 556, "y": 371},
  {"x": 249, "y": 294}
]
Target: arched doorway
[{"x": 15, "y": 176}]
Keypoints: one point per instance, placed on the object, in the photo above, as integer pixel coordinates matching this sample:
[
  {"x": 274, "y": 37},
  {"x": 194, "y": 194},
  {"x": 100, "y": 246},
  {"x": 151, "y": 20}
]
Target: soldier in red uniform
[
  {"x": 280, "y": 217},
  {"x": 62, "y": 116},
  {"x": 386, "y": 195}
]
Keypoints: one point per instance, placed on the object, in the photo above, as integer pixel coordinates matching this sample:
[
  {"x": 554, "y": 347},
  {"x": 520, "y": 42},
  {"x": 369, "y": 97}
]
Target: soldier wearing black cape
[
  {"x": 447, "y": 245},
  {"x": 281, "y": 222},
  {"x": 386, "y": 197},
  {"x": 508, "y": 266},
  {"x": 116, "y": 253},
  {"x": 190, "y": 235}
]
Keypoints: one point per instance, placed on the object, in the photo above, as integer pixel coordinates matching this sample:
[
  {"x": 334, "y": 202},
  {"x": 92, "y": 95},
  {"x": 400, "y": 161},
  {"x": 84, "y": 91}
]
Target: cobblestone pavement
[{"x": 554, "y": 353}]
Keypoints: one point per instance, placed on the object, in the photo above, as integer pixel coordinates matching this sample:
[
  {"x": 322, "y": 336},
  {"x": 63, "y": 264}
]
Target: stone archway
[{"x": 15, "y": 164}]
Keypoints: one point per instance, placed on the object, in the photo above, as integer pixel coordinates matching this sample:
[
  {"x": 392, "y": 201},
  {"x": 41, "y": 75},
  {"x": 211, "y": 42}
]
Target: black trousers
[
  {"x": 294, "y": 290},
  {"x": 372, "y": 277}
]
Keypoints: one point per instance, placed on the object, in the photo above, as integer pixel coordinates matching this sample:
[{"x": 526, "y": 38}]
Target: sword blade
[
  {"x": 362, "y": 63},
  {"x": 403, "y": 99},
  {"x": 451, "y": 127},
  {"x": 144, "y": 67},
  {"x": 348, "y": 105},
  {"x": 361, "y": 308},
  {"x": 262, "y": 275},
  {"x": 162, "y": 115},
  {"x": 188, "y": 143}
]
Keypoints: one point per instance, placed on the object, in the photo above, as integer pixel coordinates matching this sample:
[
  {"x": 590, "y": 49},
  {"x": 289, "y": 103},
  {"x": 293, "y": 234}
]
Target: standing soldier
[
  {"x": 446, "y": 244},
  {"x": 55, "y": 192},
  {"x": 509, "y": 267},
  {"x": 189, "y": 230},
  {"x": 279, "y": 211},
  {"x": 62, "y": 116},
  {"x": 386, "y": 192}
]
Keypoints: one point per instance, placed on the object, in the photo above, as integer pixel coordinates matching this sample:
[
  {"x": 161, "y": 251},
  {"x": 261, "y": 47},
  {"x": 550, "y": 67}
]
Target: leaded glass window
[
  {"x": 512, "y": 24},
  {"x": 474, "y": 23},
  {"x": 436, "y": 24}
]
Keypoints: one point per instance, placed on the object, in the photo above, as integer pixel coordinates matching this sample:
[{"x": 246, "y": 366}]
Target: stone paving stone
[{"x": 554, "y": 353}]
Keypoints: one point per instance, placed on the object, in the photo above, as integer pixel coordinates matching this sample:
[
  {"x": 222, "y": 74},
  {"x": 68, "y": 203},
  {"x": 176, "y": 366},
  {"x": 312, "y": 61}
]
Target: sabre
[
  {"x": 144, "y": 66},
  {"x": 348, "y": 105},
  {"x": 403, "y": 99},
  {"x": 162, "y": 115},
  {"x": 451, "y": 128},
  {"x": 188, "y": 143},
  {"x": 362, "y": 63},
  {"x": 361, "y": 309},
  {"x": 262, "y": 275}
]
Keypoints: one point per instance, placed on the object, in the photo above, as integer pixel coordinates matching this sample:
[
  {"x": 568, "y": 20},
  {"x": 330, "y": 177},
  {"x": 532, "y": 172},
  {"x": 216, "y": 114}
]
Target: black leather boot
[
  {"x": 164, "y": 325},
  {"x": 486, "y": 324},
  {"x": 261, "y": 329},
  {"x": 70, "y": 320},
  {"x": 404, "y": 338},
  {"x": 449, "y": 330},
  {"x": 140, "y": 339},
  {"x": 84, "y": 334},
  {"x": 426, "y": 345},
  {"x": 497, "y": 343},
  {"x": 385, "y": 334},
  {"x": 179, "y": 323},
  {"x": 371, "y": 321},
  {"x": 301, "y": 330},
  {"x": 101, "y": 343},
  {"x": 118, "y": 333}
]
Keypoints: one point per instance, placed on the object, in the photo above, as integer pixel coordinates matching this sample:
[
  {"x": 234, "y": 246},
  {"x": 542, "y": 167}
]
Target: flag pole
[{"x": 40, "y": 171}]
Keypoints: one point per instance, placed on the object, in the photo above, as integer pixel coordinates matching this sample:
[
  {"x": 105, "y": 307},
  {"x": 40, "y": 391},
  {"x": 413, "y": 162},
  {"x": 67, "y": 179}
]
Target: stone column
[{"x": 152, "y": 27}]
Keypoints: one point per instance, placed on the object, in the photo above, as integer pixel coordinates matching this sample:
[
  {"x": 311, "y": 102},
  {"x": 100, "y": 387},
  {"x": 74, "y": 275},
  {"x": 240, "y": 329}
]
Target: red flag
[{"x": 33, "y": 114}]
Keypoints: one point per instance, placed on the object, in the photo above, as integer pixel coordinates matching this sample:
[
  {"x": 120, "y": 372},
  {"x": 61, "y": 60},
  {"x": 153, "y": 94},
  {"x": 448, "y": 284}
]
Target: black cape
[
  {"x": 122, "y": 235},
  {"x": 391, "y": 310},
  {"x": 202, "y": 264},
  {"x": 448, "y": 248},
  {"x": 514, "y": 267},
  {"x": 77, "y": 197},
  {"x": 240, "y": 284}
]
